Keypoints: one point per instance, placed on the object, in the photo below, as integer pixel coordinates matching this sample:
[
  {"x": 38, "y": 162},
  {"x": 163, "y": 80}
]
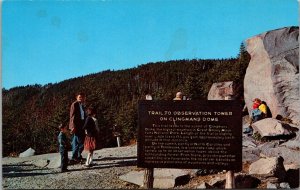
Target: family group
[{"x": 84, "y": 129}]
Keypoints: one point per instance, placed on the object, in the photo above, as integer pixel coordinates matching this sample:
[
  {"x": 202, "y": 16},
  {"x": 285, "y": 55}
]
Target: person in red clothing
[
  {"x": 90, "y": 128},
  {"x": 256, "y": 113},
  {"x": 256, "y": 103}
]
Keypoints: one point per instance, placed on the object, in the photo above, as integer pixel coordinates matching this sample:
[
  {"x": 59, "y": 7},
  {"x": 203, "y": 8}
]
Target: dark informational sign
[{"x": 190, "y": 134}]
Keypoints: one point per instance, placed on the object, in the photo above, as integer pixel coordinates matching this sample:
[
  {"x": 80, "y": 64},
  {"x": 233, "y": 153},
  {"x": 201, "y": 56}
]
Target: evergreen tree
[{"x": 32, "y": 113}]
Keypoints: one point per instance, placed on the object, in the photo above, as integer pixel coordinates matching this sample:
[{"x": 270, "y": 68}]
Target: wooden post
[
  {"x": 119, "y": 141},
  {"x": 230, "y": 182},
  {"x": 148, "y": 175},
  {"x": 148, "y": 178}
]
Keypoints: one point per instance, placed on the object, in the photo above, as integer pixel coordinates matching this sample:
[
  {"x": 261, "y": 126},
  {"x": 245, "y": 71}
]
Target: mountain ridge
[{"x": 29, "y": 111}]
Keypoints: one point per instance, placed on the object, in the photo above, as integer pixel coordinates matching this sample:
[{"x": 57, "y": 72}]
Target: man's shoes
[
  {"x": 64, "y": 170},
  {"x": 77, "y": 160},
  {"x": 87, "y": 165},
  {"x": 73, "y": 161}
]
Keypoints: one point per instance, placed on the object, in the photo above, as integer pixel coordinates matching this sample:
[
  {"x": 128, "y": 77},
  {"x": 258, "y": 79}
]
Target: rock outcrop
[
  {"x": 27, "y": 153},
  {"x": 269, "y": 167},
  {"x": 293, "y": 144},
  {"x": 222, "y": 91},
  {"x": 273, "y": 72},
  {"x": 272, "y": 127}
]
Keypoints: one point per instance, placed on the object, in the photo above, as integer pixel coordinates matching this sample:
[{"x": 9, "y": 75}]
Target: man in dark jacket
[{"x": 77, "y": 119}]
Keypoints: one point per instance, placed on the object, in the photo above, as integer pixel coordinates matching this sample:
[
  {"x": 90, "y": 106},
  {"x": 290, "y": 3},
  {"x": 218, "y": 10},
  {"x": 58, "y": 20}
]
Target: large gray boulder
[
  {"x": 269, "y": 167},
  {"x": 273, "y": 72},
  {"x": 222, "y": 91},
  {"x": 290, "y": 156},
  {"x": 272, "y": 127}
]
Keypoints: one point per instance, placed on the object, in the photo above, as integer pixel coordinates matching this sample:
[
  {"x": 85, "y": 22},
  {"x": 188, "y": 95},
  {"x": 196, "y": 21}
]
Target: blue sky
[{"x": 50, "y": 41}]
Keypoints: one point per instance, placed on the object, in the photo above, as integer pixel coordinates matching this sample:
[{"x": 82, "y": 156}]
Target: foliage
[
  {"x": 31, "y": 114},
  {"x": 256, "y": 136}
]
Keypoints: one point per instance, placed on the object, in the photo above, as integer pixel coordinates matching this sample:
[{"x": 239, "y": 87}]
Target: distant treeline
[{"x": 31, "y": 114}]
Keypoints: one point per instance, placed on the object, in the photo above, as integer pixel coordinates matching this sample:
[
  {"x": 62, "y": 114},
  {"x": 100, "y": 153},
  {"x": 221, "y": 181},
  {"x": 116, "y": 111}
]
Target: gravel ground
[{"x": 109, "y": 164}]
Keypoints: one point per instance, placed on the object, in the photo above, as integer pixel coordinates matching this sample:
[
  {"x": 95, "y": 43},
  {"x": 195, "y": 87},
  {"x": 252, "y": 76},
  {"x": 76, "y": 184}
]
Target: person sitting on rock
[
  {"x": 256, "y": 112},
  {"x": 263, "y": 108},
  {"x": 266, "y": 112},
  {"x": 256, "y": 103}
]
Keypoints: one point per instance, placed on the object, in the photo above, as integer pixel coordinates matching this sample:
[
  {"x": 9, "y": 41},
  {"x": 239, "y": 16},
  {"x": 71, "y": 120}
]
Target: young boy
[{"x": 62, "y": 140}]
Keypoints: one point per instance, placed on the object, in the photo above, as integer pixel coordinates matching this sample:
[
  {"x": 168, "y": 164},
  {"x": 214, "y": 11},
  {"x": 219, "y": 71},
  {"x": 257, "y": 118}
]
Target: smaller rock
[
  {"x": 271, "y": 127},
  {"x": 27, "y": 153},
  {"x": 290, "y": 156},
  {"x": 247, "y": 142},
  {"x": 204, "y": 185},
  {"x": 193, "y": 172},
  {"x": 292, "y": 166},
  {"x": 284, "y": 185},
  {"x": 272, "y": 166},
  {"x": 293, "y": 144},
  {"x": 268, "y": 145},
  {"x": 250, "y": 154},
  {"x": 217, "y": 182},
  {"x": 272, "y": 185},
  {"x": 221, "y": 90}
]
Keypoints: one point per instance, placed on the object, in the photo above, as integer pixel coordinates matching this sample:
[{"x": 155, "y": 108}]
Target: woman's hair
[{"x": 91, "y": 111}]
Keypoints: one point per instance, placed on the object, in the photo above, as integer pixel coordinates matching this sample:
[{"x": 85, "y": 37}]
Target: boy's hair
[
  {"x": 61, "y": 126},
  {"x": 80, "y": 93}
]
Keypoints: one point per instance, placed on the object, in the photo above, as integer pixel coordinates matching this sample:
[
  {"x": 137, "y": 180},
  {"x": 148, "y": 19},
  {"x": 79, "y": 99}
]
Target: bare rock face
[
  {"x": 269, "y": 167},
  {"x": 293, "y": 144},
  {"x": 272, "y": 127},
  {"x": 222, "y": 91},
  {"x": 273, "y": 72},
  {"x": 290, "y": 156}
]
